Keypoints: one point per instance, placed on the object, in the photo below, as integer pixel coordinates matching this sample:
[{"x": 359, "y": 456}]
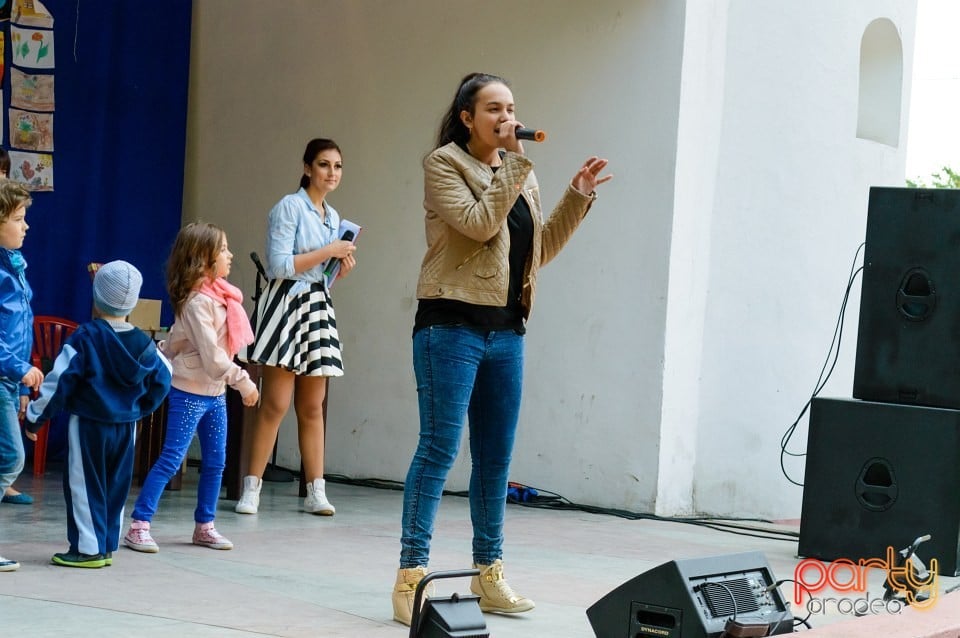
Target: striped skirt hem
[{"x": 296, "y": 330}]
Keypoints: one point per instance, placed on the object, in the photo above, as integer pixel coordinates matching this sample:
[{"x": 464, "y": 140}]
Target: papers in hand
[{"x": 348, "y": 232}]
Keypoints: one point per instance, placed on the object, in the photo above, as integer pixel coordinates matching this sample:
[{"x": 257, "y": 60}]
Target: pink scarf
[{"x": 239, "y": 333}]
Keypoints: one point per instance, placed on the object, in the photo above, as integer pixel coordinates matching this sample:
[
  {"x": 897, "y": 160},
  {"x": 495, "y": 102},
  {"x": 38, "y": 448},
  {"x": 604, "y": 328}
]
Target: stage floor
[{"x": 294, "y": 574}]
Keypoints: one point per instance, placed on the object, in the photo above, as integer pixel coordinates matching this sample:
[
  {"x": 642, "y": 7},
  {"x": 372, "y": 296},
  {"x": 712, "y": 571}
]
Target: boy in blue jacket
[
  {"x": 108, "y": 376},
  {"x": 17, "y": 375}
]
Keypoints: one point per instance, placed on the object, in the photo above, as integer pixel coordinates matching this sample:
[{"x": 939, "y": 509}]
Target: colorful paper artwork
[
  {"x": 30, "y": 116},
  {"x": 31, "y": 13},
  {"x": 33, "y": 170},
  {"x": 28, "y": 91},
  {"x": 31, "y": 131},
  {"x": 31, "y": 48}
]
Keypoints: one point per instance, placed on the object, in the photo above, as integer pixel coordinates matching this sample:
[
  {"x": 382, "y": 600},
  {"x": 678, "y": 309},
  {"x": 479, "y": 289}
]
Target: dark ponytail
[
  {"x": 314, "y": 148},
  {"x": 452, "y": 128}
]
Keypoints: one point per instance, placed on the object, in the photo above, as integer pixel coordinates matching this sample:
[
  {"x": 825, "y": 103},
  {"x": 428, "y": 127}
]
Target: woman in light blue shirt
[{"x": 296, "y": 336}]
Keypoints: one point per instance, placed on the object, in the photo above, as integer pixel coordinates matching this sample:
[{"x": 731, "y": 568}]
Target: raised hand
[{"x": 588, "y": 177}]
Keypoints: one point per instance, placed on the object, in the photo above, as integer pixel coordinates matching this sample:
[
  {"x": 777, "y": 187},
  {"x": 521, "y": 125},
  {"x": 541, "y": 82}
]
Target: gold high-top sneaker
[
  {"x": 494, "y": 592},
  {"x": 405, "y": 590}
]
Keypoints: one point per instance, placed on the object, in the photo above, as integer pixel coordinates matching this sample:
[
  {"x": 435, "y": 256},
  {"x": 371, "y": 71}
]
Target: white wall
[
  {"x": 789, "y": 214},
  {"x": 698, "y": 146},
  {"x": 376, "y": 76},
  {"x": 678, "y": 333}
]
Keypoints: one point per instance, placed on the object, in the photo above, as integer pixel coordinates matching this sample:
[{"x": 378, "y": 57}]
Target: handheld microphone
[
  {"x": 533, "y": 134},
  {"x": 347, "y": 236},
  {"x": 256, "y": 262}
]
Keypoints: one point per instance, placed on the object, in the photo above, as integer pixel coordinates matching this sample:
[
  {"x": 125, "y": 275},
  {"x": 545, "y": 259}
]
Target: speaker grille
[{"x": 730, "y": 597}]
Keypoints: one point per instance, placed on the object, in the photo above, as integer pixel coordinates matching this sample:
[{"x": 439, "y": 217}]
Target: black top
[{"x": 451, "y": 312}]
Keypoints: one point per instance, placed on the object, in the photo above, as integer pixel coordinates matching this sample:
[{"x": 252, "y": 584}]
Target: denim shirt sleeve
[
  {"x": 294, "y": 227},
  {"x": 281, "y": 237}
]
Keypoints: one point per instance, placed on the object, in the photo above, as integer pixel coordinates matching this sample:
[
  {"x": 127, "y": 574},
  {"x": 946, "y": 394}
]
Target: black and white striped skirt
[{"x": 298, "y": 331}]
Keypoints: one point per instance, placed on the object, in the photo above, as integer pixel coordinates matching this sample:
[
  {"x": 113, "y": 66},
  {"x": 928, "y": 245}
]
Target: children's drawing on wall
[
  {"x": 31, "y": 49},
  {"x": 30, "y": 13},
  {"x": 31, "y": 131},
  {"x": 33, "y": 170},
  {"x": 2, "y": 47},
  {"x": 5, "y": 10},
  {"x": 28, "y": 91}
]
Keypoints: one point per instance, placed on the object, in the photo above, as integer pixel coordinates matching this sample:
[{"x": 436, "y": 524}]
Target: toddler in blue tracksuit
[{"x": 108, "y": 376}]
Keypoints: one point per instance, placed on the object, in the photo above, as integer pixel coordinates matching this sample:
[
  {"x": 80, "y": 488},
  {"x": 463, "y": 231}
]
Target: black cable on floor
[{"x": 549, "y": 500}]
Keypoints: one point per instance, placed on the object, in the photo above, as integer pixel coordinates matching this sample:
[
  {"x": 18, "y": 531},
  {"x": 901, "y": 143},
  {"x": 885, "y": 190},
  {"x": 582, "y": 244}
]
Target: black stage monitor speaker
[
  {"x": 447, "y": 617},
  {"x": 693, "y": 598},
  {"x": 879, "y": 475},
  {"x": 908, "y": 343}
]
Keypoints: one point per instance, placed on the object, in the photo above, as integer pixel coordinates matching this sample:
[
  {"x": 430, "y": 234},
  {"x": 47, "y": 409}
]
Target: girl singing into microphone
[{"x": 486, "y": 241}]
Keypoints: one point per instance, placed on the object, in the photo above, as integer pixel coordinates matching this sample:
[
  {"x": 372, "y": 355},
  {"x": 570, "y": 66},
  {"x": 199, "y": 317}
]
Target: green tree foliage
[{"x": 944, "y": 178}]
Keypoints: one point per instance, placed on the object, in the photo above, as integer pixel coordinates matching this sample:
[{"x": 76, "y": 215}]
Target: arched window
[{"x": 881, "y": 83}]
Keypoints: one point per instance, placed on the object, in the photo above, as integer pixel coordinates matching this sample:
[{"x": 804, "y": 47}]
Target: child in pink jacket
[{"x": 210, "y": 328}]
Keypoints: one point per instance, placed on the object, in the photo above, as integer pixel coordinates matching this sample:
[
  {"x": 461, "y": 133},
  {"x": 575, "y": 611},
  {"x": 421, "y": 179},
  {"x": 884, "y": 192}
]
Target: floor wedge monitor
[
  {"x": 880, "y": 475},
  {"x": 908, "y": 342},
  {"x": 693, "y": 598}
]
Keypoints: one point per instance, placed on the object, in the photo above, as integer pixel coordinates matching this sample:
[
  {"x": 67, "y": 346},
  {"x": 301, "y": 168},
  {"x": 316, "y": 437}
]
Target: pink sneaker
[
  {"x": 138, "y": 538},
  {"x": 207, "y": 535}
]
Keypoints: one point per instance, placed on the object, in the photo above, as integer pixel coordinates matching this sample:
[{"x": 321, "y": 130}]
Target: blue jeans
[
  {"x": 462, "y": 372},
  {"x": 11, "y": 443},
  {"x": 188, "y": 413}
]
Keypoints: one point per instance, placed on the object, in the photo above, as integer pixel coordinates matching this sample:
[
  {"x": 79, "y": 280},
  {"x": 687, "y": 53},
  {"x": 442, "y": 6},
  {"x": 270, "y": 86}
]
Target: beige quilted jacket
[{"x": 468, "y": 241}]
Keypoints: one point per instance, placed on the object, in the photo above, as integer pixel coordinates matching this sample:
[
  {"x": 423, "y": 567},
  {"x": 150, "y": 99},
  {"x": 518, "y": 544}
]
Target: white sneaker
[
  {"x": 250, "y": 498},
  {"x": 7, "y": 565},
  {"x": 316, "y": 501}
]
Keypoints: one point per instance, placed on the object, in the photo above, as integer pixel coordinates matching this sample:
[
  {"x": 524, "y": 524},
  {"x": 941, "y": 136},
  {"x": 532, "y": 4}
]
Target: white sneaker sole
[
  {"x": 137, "y": 547},
  {"x": 321, "y": 508},
  {"x": 215, "y": 545}
]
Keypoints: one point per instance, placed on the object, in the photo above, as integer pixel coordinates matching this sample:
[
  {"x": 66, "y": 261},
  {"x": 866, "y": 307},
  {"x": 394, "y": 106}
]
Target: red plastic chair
[{"x": 49, "y": 333}]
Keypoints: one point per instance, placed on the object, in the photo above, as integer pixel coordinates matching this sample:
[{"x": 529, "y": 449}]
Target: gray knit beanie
[{"x": 116, "y": 288}]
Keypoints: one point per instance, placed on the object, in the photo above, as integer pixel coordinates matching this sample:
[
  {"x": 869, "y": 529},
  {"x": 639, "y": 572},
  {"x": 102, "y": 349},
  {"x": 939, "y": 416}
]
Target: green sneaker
[
  {"x": 76, "y": 559},
  {"x": 108, "y": 559}
]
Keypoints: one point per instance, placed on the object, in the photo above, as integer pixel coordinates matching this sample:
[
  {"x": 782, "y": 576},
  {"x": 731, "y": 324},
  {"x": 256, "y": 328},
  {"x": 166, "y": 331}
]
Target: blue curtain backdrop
[{"x": 119, "y": 132}]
